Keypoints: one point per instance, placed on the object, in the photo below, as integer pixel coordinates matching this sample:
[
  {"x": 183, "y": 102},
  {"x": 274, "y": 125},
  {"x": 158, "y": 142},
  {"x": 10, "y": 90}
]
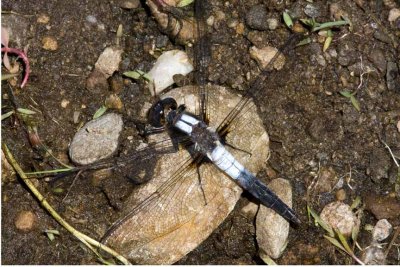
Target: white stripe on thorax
[
  {"x": 186, "y": 123},
  {"x": 226, "y": 162}
]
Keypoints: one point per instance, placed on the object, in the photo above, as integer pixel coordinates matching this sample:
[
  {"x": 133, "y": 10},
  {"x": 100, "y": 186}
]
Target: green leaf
[
  {"x": 346, "y": 94},
  {"x": 6, "y": 115},
  {"x": 25, "y": 111},
  {"x": 354, "y": 232},
  {"x": 100, "y": 112},
  {"x": 288, "y": 20},
  {"x": 310, "y": 22},
  {"x": 328, "y": 41},
  {"x": 335, "y": 242},
  {"x": 355, "y": 203},
  {"x": 344, "y": 241},
  {"x": 330, "y": 24},
  {"x": 51, "y": 234},
  {"x": 355, "y": 103},
  {"x": 304, "y": 41},
  {"x": 184, "y": 3},
  {"x": 58, "y": 190}
]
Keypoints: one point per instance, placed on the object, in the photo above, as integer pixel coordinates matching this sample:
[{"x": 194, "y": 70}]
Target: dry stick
[{"x": 88, "y": 241}]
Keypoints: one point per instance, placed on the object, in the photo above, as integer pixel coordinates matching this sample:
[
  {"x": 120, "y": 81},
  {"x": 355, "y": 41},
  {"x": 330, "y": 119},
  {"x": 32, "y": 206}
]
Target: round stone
[{"x": 98, "y": 139}]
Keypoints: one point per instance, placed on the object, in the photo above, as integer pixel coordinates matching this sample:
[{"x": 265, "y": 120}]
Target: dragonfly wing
[{"x": 174, "y": 219}]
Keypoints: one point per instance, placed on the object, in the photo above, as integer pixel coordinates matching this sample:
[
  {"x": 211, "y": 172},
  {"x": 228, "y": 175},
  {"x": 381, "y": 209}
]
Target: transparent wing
[{"x": 244, "y": 105}]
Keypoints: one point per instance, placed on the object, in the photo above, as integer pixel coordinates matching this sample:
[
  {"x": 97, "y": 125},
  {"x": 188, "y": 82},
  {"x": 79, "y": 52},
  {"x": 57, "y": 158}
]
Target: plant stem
[
  {"x": 88, "y": 241},
  {"x": 24, "y": 58}
]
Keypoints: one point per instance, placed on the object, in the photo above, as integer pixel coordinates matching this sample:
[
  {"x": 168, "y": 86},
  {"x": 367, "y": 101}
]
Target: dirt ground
[{"x": 313, "y": 128}]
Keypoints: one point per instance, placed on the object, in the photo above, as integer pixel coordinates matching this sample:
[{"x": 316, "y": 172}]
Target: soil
[{"x": 311, "y": 125}]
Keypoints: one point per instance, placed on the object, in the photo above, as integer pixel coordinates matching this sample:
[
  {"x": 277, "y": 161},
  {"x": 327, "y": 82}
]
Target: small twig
[
  {"x": 88, "y": 241},
  {"x": 390, "y": 151},
  {"x": 395, "y": 235},
  {"x": 24, "y": 58}
]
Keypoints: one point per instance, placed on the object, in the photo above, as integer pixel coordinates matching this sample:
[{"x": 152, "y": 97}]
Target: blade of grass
[
  {"x": 6, "y": 115},
  {"x": 330, "y": 24},
  {"x": 8, "y": 76},
  {"x": 88, "y": 241}
]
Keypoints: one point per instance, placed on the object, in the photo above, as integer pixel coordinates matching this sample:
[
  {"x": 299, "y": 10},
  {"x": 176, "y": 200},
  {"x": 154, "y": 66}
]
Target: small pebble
[
  {"x": 210, "y": 20},
  {"x": 394, "y": 14},
  {"x": 311, "y": 11},
  {"x": 250, "y": 210},
  {"x": 49, "y": 43},
  {"x": 381, "y": 230},
  {"x": 43, "y": 19},
  {"x": 392, "y": 76},
  {"x": 91, "y": 19},
  {"x": 272, "y": 23},
  {"x": 128, "y": 4},
  {"x": 240, "y": 28},
  {"x": 339, "y": 216},
  {"x": 76, "y": 116},
  {"x": 341, "y": 195},
  {"x": 398, "y": 126},
  {"x": 264, "y": 55},
  {"x": 113, "y": 101},
  {"x": 64, "y": 103},
  {"x": 25, "y": 221},
  {"x": 108, "y": 61},
  {"x": 256, "y": 18}
]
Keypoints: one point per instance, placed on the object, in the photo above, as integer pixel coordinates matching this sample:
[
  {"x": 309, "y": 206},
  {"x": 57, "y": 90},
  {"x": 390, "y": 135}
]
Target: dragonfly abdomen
[{"x": 208, "y": 143}]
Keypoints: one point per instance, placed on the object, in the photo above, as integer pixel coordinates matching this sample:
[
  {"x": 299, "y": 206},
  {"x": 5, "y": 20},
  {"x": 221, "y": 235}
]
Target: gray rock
[
  {"x": 374, "y": 255},
  {"x": 256, "y": 18},
  {"x": 381, "y": 36},
  {"x": 362, "y": 67},
  {"x": 392, "y": 76},
  {"x": 271, "y": 229},
  {"x": 311, "y": 11},
  {"x": 377, "y": 57},
  {"x": 379, "y": 164},
  {"x": 339, "y": 216},
  {"x": 96, "y": 140},
  {"x": 381, "y": 230}
]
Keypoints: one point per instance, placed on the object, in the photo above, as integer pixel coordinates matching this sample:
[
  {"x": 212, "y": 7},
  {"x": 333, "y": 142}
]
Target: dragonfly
[{"x": 206, "y": 147}]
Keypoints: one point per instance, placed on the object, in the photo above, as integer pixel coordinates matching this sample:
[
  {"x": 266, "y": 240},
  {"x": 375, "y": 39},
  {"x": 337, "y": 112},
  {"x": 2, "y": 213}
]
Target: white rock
[
  {"x": 272, "y": 230},
  {"x": 339, "y": 216},
  {"x": 394, "y": 13},
  {"x": 381, "y": 230},
  {"x": 167, "y": 65},
  {"x": 264, "y": 55},
  {"x": 96, "y": 140},
  {"x": 108, "y": 61}
]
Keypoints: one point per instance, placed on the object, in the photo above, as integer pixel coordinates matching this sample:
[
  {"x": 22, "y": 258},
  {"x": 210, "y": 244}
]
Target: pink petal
[{"x": 6, "y": 61}]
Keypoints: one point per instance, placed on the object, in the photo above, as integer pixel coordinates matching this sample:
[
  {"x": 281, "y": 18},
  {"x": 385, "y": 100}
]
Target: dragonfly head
[{"x": 156, "y": 115}]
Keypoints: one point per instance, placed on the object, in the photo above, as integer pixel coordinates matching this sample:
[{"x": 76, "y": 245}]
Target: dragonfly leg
[{"x": 236, "y": 148}]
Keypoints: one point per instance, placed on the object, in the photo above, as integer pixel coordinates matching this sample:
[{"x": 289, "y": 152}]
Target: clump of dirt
[{"x": 311, "y": 122}]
